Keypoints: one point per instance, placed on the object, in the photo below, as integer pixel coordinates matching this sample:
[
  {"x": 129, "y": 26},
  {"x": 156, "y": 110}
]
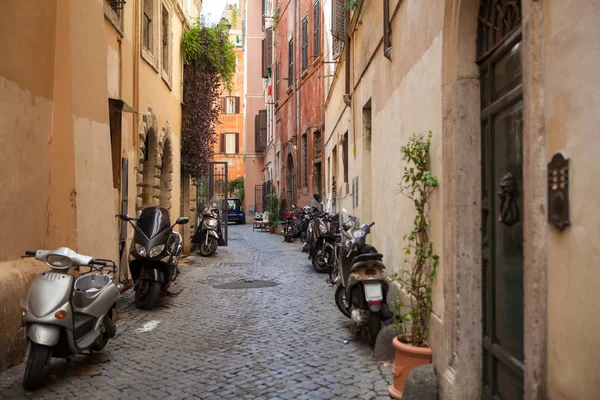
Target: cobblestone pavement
[{"x": 207, "y": 342}]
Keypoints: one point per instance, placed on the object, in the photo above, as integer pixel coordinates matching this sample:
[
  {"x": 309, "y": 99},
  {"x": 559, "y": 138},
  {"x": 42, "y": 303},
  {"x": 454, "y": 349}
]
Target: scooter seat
[{"x": 368, "y": 257}]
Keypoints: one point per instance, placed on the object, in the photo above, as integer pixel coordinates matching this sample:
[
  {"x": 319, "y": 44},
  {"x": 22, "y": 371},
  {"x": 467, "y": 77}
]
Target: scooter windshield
[{"x": 153, "y": 220}]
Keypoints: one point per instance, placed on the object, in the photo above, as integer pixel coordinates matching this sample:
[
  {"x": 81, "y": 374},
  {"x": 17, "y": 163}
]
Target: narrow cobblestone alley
[{"x": 211, "y": 341}]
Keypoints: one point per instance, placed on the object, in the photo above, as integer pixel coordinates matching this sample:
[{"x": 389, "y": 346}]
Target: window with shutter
[
  {"x": 222, "y": 149},
  {"x": 260, "y": 123},
  {"x": 290, "y": 62},
  {"x": 147, "y": 26},
  {"x": 230, "y": 143},
  {"x": 269, "y": 48},
  {"x": 305, "y": 161},
  {"x": 263, "y": 52},
  {"x": 317, "y": 28},
  {"x": 304, "y": 43},
  {"x": 237, "y": 104},
  {"x": 338, "y": 24}
]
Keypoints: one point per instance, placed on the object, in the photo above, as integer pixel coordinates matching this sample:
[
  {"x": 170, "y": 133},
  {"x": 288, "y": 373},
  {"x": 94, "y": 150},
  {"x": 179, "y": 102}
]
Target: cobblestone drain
[{"x": 277, "y": 342}]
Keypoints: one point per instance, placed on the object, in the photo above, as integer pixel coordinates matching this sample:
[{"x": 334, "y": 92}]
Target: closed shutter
[
  {"x": 237, "y": 143},
  {"x": 264, "y": 58},
  {"x": 304, "y": 43},
  {"x": 223, "y": 105},
  {"x": 291, "y": 62},
  {"x": 338, "y": 27},
  {"x": 222, "y": 143},
  {"x": 317, "y": 29},
  {"x": 237, "y": 104},
  {"x": 269, "y": 60},
  {"x": 263, "y": 126},
  {"x": 257, "y": 134}
]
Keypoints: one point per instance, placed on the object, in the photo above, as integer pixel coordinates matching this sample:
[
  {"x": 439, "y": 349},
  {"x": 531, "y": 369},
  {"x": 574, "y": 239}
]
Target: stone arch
[
  {"x": 166, "y": 170},
  {"x": 149, "y": 161}
]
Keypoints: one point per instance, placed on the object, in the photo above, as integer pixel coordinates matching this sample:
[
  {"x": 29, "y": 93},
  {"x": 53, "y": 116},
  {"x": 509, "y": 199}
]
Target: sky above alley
[{"x": 213, "y": 9}]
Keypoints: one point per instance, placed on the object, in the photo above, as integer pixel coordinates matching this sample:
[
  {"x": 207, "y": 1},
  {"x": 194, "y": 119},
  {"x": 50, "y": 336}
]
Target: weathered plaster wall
[
  {"x": 405, "y": 98},
  {"x": 93, "y": 167},
  {"x": 571, "y": 92}
]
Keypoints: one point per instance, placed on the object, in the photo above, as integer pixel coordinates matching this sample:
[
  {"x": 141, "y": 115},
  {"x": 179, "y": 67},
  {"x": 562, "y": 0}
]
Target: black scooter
[
  {"x": 209, "y": 234},
  {"x": 154, "y": 254}
]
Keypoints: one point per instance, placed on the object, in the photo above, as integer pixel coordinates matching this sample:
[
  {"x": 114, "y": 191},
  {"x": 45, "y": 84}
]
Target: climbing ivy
[{"x": 209, "y": 69}]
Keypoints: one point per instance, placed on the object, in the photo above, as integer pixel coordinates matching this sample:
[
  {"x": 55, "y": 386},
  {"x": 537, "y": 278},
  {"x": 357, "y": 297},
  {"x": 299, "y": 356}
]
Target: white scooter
[{"x": 64, "y": 316}]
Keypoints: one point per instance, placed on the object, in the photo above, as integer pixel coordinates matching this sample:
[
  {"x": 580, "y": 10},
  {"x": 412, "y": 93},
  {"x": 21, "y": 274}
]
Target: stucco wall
[
  {"x": 571, "y": 89},
  {"x": 405, "y": 98}
]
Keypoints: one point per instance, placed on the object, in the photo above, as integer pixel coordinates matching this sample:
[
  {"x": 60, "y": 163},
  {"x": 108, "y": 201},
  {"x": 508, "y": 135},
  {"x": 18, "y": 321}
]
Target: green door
[{"x": 499, "y": 58}]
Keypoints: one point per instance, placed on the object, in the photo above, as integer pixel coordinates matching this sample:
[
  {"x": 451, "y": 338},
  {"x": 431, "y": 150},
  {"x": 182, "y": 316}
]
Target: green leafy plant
[
  {"x": 236, "y": 187},
  {"x": 209, "y": 68},
  {"x": 234, "y": 15},
  {"x": 416, "y": 278},
  {"x": 351, "y": 5},
  {"x": 276, "y": 17},
  {"x": 273, "y": 206}
]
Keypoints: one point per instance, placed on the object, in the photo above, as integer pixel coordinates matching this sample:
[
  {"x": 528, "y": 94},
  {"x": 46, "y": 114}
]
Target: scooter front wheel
[
  {"x": 320, "y": 263},
  {"x": 146, "y": 294},
  {"x": 208, "y": 247},
  {"x": 34, "y": 371}
]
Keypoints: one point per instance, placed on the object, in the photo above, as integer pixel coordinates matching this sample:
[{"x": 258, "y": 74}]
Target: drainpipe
[
  {"x": 136, "y": 84},
  {"x": 296, "y": 95}
]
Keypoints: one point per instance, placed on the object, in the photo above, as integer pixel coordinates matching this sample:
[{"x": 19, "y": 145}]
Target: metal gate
[{"x": 214, "y": 184}]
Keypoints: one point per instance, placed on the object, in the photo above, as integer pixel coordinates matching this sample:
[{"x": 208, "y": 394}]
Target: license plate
[{"x": 373, "y": 292}]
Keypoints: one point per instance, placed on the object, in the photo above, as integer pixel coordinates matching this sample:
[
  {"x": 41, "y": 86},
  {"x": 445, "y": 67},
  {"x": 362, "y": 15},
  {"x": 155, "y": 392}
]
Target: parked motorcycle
[
  {"x": 154, "y": 254},
  {"x": 362, "y": 291},
  {"x": 302, "y": 224},
  {"x": 64, "y": 316},
  {"x": 290, "y": 217},
  {"x": 208, "y": 233},
  {"x": 321, "y": 238}
]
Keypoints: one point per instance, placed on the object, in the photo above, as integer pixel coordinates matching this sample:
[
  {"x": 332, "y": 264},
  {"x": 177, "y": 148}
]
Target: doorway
[
  {"x": 499, "y": 59},
  {"x": 290, "y": 180}
]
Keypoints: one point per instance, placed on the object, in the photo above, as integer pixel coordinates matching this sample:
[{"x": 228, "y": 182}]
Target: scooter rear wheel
[
  {"x": 146, "y": 294},
  {"x": 373, "y": 328},
  {"x": 34, "y": 371},
  {"x": 341, "y": 301}
]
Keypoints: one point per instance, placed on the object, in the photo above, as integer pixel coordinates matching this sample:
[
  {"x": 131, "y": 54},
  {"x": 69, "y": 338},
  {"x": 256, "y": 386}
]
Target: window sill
[
  {"x": 167, "y": 80},
  {"x": 115, "y": 19},
  {"x": 150, "y": 59}
]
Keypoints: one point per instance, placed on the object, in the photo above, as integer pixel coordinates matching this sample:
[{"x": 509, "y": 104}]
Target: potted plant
[
  {"x": 412, "y": 305},
  {"x": 273, "y": 207}
]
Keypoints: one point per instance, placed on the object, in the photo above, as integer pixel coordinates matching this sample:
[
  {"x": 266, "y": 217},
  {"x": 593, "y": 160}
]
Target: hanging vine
[{"x": 209, "y": 69}]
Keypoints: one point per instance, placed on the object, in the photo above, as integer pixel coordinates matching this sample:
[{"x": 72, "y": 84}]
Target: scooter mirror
[
  {"x": 182, "y": 220},
  {"x": 124, "y": 217}
]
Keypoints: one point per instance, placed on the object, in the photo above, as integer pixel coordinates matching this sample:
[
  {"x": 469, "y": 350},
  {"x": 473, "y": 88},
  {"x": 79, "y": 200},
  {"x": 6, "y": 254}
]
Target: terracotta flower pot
[
  {"x": 272, "y": 229},
  {"x": 407, "y": 358}
]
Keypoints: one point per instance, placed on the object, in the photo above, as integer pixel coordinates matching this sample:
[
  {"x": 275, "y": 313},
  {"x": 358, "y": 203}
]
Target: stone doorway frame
[
  {"x": 460, "y": 358},
  {"x": 155, "y": 164}
]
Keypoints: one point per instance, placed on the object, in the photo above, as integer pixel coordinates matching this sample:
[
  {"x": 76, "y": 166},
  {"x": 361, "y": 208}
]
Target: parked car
[{"x": 236, "y": 211}]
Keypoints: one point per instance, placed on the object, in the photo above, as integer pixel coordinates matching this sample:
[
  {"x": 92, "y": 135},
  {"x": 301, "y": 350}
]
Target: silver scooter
[{"x": 65, "y": 316}]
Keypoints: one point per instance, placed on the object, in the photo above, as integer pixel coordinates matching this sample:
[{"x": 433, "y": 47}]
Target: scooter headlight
[
  {"x": 211, "y": 222},
  {"x": 156, "y": 250},
  {"x": 141, "y": 250},
  {"x": 57, "y": 261},
  {"x": 358, "y": 233},
  {"x": 322, "y": 228}
]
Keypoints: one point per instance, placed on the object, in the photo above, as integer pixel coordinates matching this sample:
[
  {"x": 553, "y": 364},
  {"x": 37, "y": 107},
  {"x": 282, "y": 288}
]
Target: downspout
[
  {"x": 136, "y": 83},
  {"x": 296, "y": 94}
]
